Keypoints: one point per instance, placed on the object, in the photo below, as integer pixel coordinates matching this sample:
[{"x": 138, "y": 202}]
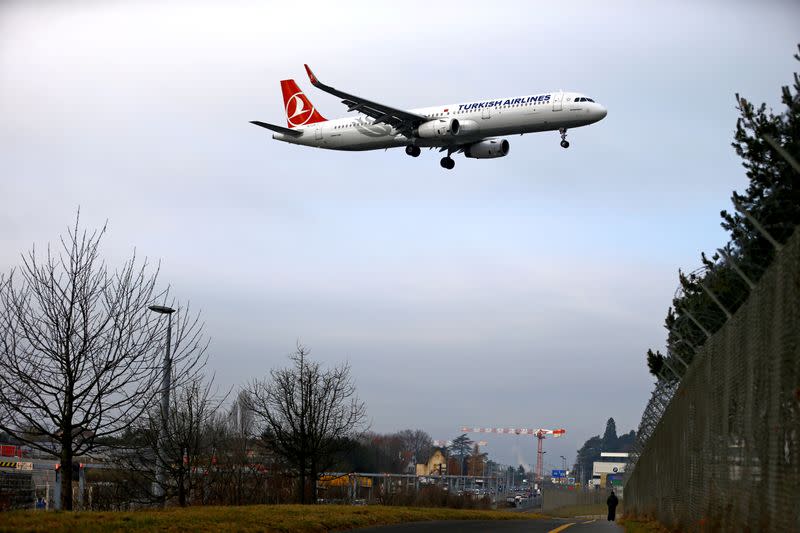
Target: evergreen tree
[
  {"x": 772, "y": 197},
  {"x": 591, "y": 449},
  {"x": 609, "y": 443},
  {"x": 588, "y": 454},
  {"x": 460, "y": 448},
  {"x": 625, "y": 442}
]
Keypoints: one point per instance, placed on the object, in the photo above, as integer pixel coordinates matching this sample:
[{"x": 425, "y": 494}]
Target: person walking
[{"x": 612, "y": 502}]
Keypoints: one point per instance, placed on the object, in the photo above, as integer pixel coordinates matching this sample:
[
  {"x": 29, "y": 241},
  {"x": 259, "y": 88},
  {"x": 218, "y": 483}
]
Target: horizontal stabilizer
[{"x": 277, "y": 129}]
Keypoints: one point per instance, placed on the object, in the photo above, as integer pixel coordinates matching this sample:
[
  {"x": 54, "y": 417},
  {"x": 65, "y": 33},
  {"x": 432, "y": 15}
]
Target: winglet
[{"x": 314, "y": 80}]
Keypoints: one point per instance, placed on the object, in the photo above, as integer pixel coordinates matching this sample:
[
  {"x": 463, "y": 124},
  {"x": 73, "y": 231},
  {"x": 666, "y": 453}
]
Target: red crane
[{"x": 539, "y": 433}]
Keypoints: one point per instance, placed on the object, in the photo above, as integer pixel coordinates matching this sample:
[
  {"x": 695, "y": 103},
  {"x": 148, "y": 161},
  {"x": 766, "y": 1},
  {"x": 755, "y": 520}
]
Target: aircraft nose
[{"x": 602, "y": 111}]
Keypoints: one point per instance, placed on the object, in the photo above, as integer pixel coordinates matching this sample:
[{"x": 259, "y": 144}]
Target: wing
[{"x": 397, "y": 118}]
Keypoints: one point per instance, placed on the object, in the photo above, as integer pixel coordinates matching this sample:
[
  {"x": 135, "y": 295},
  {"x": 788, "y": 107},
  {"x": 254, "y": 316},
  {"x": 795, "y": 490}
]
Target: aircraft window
[{"x": 589, "y": 100}]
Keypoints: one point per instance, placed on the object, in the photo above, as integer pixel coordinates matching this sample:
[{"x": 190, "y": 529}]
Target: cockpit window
[{"x": 589, "y": 100}]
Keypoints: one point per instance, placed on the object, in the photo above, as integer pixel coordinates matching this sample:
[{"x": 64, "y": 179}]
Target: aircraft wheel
[
  {"x": 413, "y": 151},
  {"x": 448, "y": 163},
  {"x": 564, "y": 144}
]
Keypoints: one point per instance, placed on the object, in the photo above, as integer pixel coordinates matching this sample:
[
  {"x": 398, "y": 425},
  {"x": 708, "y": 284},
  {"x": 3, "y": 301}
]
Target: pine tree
[
  {"x": 772, "y": 197},
  {"x": 588, "y": 454},
  {"x": 609, "y": 443},
  {"x": 460, "y": 448}
]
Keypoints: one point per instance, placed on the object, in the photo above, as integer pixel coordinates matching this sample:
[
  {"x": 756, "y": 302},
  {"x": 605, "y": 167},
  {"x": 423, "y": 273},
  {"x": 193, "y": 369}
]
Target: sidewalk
[{"x": 588, "y": 524}]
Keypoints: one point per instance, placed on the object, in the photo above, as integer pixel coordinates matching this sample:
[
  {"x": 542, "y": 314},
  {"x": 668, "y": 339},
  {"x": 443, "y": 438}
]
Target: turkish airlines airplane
[{"x": 471, "y": 128}]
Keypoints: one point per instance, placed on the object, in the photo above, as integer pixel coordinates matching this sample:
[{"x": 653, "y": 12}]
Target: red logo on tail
[{"x": 299, "y": 109}]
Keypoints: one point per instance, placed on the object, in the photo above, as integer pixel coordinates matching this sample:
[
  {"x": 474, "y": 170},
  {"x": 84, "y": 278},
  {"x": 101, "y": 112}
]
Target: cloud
[{"x": 516, "y": 291}]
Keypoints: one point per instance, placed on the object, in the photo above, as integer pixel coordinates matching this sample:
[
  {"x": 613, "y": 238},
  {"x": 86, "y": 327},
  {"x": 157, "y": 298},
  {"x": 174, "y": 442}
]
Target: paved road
[{"x": 572, "y": 525}]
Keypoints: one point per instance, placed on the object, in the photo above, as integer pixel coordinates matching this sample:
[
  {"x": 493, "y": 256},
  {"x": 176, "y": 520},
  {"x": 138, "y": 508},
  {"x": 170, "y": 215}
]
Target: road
[{"x": 571, "y": 525}]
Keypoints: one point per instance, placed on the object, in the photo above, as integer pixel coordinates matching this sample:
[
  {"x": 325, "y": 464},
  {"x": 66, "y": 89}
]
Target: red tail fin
[{"x": 299, "y": 109}]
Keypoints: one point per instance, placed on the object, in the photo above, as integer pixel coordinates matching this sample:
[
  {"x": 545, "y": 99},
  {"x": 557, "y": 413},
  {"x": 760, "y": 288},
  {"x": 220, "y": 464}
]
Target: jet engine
[
  {"x": 487, "y": 149},
  {"x": 467, "y": 127},
  {"x": 440, "y": 127}
]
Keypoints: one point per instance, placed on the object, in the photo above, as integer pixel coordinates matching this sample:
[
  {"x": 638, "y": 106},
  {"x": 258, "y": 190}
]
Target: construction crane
[{"x": 539, "y": 433}]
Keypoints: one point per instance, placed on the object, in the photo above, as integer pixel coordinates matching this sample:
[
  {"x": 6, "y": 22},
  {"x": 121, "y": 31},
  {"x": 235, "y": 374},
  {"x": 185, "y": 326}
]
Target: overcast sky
[{"x": 519, "y": 292}]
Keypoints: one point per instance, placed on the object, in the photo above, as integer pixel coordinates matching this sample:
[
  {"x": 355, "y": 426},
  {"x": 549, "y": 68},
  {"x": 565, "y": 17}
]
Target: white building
[{"x": 610, "y": 467}]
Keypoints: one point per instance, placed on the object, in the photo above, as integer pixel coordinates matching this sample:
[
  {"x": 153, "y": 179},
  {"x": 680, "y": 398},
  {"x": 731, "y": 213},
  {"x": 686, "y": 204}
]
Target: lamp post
[{"x": 166, "y": 385}]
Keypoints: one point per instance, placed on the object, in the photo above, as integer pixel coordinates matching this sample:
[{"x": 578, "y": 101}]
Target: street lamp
[{"x": 165, "y": 387}]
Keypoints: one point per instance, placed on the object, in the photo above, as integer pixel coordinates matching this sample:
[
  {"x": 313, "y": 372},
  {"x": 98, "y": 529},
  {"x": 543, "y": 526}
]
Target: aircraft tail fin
[{"x": 299, "y": 109}]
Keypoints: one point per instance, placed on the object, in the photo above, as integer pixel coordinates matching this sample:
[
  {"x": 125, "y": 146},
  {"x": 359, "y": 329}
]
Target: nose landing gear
[
  {"x": 564, "y": 141},
  {"x": 413, "y": 151}
]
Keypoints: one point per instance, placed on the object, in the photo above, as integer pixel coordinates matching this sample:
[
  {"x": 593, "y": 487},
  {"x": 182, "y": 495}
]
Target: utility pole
[{"x": 166, "y": 385}]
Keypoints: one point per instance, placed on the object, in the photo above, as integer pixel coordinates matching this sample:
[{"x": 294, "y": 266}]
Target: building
[
  {"x": 609, "y": 470},
  {"x": 436, "y": 465}
]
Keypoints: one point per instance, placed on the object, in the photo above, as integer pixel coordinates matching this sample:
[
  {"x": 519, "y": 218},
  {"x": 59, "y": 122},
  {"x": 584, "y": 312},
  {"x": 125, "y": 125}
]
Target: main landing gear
[
  {"x": 446, "y": 162},
  {"x": 564, "y": 141}
]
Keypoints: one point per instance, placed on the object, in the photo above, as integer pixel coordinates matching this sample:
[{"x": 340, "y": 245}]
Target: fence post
[
  {"x": 735, "y": 267},
  {"x": 680, "y": 338},
  {"x": 782, "y": 151},
  {"x": 716, "y": 300},
  {"x": 677, "y": 375},
  {"x": 697, "y": 323},
  {"x": 756, "y": 224}
]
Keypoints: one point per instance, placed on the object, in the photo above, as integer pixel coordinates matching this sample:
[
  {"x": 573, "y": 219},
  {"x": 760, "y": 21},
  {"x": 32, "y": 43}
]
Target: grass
[
  {"x": 266, "y": 518},
  {"x": 639, "y": 525}
]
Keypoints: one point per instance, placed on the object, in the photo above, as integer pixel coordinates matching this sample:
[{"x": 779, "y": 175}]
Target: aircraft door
[
  {"x": 318, "y": 133},
  {"x": 487, "y": 112},
  {"x": 557, "y": 98}
]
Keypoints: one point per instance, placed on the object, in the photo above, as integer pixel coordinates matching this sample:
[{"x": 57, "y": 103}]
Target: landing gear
[
  {"x": 564, "y": 141},
  {"x": 413, "y": 151},
  {"x": 448, "y": 163}
]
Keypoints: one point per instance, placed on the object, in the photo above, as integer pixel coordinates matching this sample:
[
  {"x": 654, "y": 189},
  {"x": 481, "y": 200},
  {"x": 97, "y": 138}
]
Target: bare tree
[
  {"x": 185, "y": 453},
  {"x": 306, "y": 412},
  {"x": 418, "y": 443},
  {"x": 80, "y": 352}
]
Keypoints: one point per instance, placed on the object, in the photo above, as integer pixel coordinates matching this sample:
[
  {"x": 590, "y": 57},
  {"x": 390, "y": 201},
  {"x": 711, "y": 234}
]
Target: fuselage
[{"x": 478, "y": 120}]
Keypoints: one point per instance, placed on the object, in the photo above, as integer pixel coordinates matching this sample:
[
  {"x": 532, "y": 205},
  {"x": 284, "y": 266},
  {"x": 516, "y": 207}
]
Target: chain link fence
[
  {"x": 719, "y": 448},
  {"x": 557, "y": 497}
]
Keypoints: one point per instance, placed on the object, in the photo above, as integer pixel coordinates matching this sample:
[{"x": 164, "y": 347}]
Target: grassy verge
[
  {"x": 267, "y": 518},
  {"x": 638, "y": 525}
]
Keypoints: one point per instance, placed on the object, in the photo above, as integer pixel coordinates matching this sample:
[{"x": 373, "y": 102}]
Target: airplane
[{"x": 472, "y": 128}]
